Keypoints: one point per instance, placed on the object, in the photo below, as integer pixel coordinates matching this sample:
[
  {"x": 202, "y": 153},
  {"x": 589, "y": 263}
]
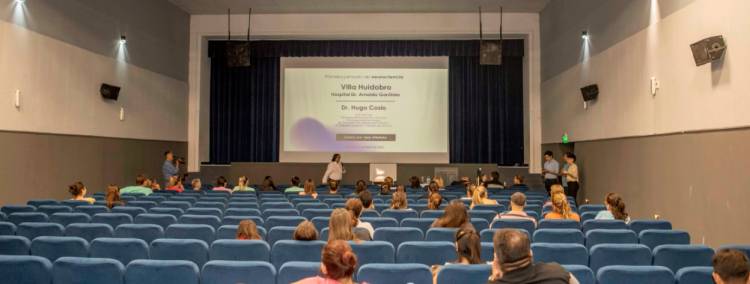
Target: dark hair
[
  {"x": 76, "y": 188},
  {"x": 731, "y": 264},
  {"x": 433, "y": 187},
  {"x": 518, "y": 199},
  {"x": 333, "y": 185},
  {"x": 617, "y": 206},
  {"x": 366, "y": 198},
  {"x": 571, "y": 155},
  {"x": 548, "y": 153},
  {"x": 333, "y": 159},
  {"x": 468, "y": 245},
  {"x": 305, "y": 232},
  {"x": 360, "y": 186},
  {"x": 339, "y": 259},
  {"x": 113, "y": 196},
  {"x": 495, "y": 175},
  {"x": 399, "y": 201},
  {"x": 295, "y": 181},
  {"x": 221, "y": 181},
  {"x": 434, "y": 200},
  {"x": 140, "y": 179},
  {"x": 248, "y": 230},
  {"x": 167, "y": 152},
  {"x": 385, "y": 189},
  {"x": 455, "y": 216},
  {"x": 414, "y": 181},
  {"x": 519, "y": 178},
  {"x": 512, "y": 249},
  {"x": 354, "y": 205}
]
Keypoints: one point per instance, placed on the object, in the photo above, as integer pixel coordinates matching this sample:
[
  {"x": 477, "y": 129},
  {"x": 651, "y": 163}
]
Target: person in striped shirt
[{"x": 517, "y": 203}]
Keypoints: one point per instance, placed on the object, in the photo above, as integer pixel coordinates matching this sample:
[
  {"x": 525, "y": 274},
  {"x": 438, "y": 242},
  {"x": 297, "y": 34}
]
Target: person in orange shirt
[{"x": 561, "y": 209}]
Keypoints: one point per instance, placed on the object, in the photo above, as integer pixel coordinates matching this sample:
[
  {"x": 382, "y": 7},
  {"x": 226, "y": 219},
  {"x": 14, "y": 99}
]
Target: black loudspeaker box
[
  {"x": 490, "y": 53},
  {"x": 590, "y": 92},
  {"x": 109, "y": 92},
  {"x": 238, "y": 53},
  {"x": 708, "y": 49}
]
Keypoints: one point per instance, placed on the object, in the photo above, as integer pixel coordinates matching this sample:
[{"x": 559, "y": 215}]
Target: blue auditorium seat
[
  {"x": 288, "y": 221},
  {"x": 205, "y": 233},
  {"x": 21, "y": 217},
  {"x": 618, "y": 254},
  {"x": 610, "y": 236},
  {"x": 140, "y": 203},
  {"x": 91, "y": 209},
  {"x": 315, "y": 212},
  {"x": 52, "y": 209},
  {"x": 39, "y": 202},
  {"x": 222, "y": 271},
  {"x": 320, "y": 222},
  {"x": 130, "y": 210},
  {"x": 559, "y": 224},
  {"x": 89, "y": 231},
  {"x": 240, "y": 250},
  {"x": 290, "y": 250},
  {"x": 53, "y": 248},
  {"x": 587, "y": 216},
  {"x": 527, "y": 225},
  {"x": 124, "y": 250},
  {"x": 433, "y": 214},
  {"x": 209, "y": 220},
  {"x": 145, "y": 232},
  {"x": 396, "y": 235},
  {"x": 623, "y": 274},
  {"x": 66, "y": 219},
  {"x": 218, "y": 213},
  {"x": 153, "y": 198},
  {"x": 639, "y": 225},
  {"x": 25, "y": 269},
  {"x": 675, "y": 257},
  {"x": 497, "y": 208},
  {"x": 476, "y": 273},
  {"x": 603, "y": 224},
  {"x": 235, "y": 220},
  {"x": 695, "y": 275},
  {"x": 480, "y": 224},
  {"x": 301, "y": 207},
  {"x": 399, "y": 214},
  {"x": 582, "y": 273},
  {"x": 242, "y": 212},
  {"x": 653, "y": 237},
  {"x": 427, "y": 253},
  {"x": 560, "y": 253},
  {"x": 163, "y": 220},
  {"x": 487, "y": 252},
  {"x": 279, "y": 213},
  {"x": 441, "y": 235},
  {"x": 488, "y": 215},
  {"x": 189, "y": 199},
  {"x": 380, "y": 222},
  {"x": 561, "y": 236},
  {"x": 184, "y": 205},
  {"x": 395, "y": 273},
  {"x": 7, "y": 228},
  {"x": 373, "y": 252},
  {"x": 33, "y": 230},
  {"x": 74, "y": 203},
  {"x": 369, "y": 214},
  {"x": 14, "y": 245},
  {"x": 210, "y": 204},
  {"x": 3, "y": 217},
  {"x": 176, "y": 212},
  {"x": 591, "y": 208},
  {"x": 423, "y": 224},
  {"x": 280, "y": 233},
  {"x": 10, "y": 209},
  {"x": 145, "y": 271},
  {"x": 294, "y": 271},
  {"x": 112, "y": 219},
  {"x": 276, "y": 205},
  {"x": 743, "y": 248},
  {"x": 83, "y": 270},
  {"x": 180, "y": 249}
]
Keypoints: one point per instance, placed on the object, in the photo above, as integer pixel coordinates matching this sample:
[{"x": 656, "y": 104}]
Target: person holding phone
[{"x": 335, "y": 170}]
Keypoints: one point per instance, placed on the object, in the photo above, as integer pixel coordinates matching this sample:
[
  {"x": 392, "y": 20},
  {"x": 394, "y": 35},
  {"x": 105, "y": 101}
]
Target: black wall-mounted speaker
[
  {"x": 708, "y": 49},
  {"x": 238, "y": 53},
  {"x": 490, "y": 53},
  {"x": 109, "y": 92},
  {"x": 590, "y": 92}
]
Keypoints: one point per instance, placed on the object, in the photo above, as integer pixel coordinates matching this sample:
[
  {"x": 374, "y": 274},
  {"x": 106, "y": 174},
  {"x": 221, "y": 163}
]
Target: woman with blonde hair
[
  {"x": 247, "y": 230},
  {"x": 309, "y": 189},
  {"x": 440, "y": 182},
  {"x": 434, "y": 201},
  {"x": 561, "y": 209},
  {"x": 469, "y": 192},
  {"x": 480, "y": 197},
  {"x": 242, "y": 185},
  {"x": 305, "y": 231},
  {"x": 340, "y": 225},
  {"x": 399, "y": 201}
]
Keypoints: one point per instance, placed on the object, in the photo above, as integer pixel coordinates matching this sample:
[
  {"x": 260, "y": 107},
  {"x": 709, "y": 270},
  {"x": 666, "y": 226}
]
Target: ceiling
[{"x": 357, "y": 6}]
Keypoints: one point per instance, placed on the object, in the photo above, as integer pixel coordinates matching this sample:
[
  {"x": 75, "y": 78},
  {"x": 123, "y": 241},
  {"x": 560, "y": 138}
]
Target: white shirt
[
  {"x": 553, "y": 167},
  {"x": 367, "y": 226},
  {"x": 334, "y": 171}
]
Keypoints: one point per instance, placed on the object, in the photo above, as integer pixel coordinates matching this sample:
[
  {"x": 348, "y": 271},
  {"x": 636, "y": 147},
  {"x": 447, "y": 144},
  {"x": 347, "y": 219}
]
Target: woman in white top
[{"x": 335, "y": 169}]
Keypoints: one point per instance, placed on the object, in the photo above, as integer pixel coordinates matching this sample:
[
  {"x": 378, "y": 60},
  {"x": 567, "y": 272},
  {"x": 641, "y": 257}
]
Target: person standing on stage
[
  {"x": 335, "y": 170},
  {"x": 550, "y": 170},
  {"x": 170, "y": 167},
  {"x": 571, "y": 175}
]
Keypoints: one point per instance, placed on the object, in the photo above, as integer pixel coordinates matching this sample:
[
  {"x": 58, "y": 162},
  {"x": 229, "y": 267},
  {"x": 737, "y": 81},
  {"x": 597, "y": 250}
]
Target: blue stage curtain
[{"x": 485, "y": 102}]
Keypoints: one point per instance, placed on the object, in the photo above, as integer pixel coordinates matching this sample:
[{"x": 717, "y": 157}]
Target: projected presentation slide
[{"x": 366, "y": 105}]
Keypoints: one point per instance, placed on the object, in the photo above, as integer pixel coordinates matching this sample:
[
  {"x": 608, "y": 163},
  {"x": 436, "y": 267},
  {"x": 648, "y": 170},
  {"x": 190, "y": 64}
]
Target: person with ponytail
[
  {"x": 480, "y": 197},
  {"x": 337, "y": 265},
  {"x": 615, "y": 209},
  {"x": 78, "y": 190},
  {"x": 561, "y": 209},
  {"x": 112, "y": 196},
  {"x": 468, "y": 250}
]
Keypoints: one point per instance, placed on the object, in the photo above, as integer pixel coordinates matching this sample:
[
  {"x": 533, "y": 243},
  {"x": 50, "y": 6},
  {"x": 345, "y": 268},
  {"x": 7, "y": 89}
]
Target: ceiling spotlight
[
  {"x": 584, "y": 35},
  {"x": 20, "y": 1},
  {"x": 123, "y": 39}
]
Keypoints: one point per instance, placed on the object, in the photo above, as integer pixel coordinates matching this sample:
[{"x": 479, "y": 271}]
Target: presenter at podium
[{"x": 335, "y": 170}]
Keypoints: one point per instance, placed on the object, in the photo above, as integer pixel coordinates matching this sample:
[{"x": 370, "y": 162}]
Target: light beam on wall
[
  {"x": 652, "y": 38},
  {"x": 585, "y": 54},
  {"x": 19, "y": 13}
]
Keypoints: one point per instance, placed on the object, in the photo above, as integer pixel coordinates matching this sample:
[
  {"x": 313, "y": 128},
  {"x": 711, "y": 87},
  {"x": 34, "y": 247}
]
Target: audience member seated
[
  {"x": 514, "y": 263},
  {"x": 480, "y": 197},
  {"x": 414, "y": 183},
  {"x": 355, "y": 207},
  {"x": 78, "y": 190},
  {"x": 401, "y": 188},
  {"x": 247, "y": 230},
  {"x": 440, "y": 182},
  {"x": 305, "y": 232},
  {"x": 337, "y": 265},
  {"x": 463, "y": 181},
  {"x": 360, "y": 186},
  {"x": 242, "y": 185},
  {"x": 432, "y": 188},
  {"x": 399, "y": 201},
  {"x": 433, "y": 203},
  {"x": 221, "y": 185},
  {"x": 385, "y": 189},
  {"x": 455, "y": 216},
  {"x": 153, "y": 184},
  {"x": 469, "y": 192},
  {"x": 196, "y": 184},
  {"x": 340, "y": 225},
  {"x": 730, "y": 267},
  {"x": 333, "y": 186},
  {"x": 309, "y": 189},
  {"x": 112, "y": 197},
  {"x": 366, "y": 198},
  {"x": 555, "y": 188},
  {"x": 518, "y": 184},
  {"x": 268, "y": 184},
  {"x": 561, "y": 209},
  {"x": 517, "y": 204},
  {"x": 468, "y": 250},
  {"x": 615, "y": 209},
  {"x": 174, "y": 184},
  {"x": 141, "y": 186},
  {"x": 494, "y": 181},
  {"x": 389, "y": 181},
  {"x": 295, "y": 181}
]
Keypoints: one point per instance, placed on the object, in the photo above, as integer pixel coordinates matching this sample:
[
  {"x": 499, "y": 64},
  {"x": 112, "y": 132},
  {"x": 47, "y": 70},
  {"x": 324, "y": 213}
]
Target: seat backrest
[
  {"x": 290, "y": 250},
  {"x": 32, "y": 230},
  {"x": 154, "y": 198},
  {"x": 180, "y": 249},
  {"x": 560, "y": 253},
  {"x": 497, "y": 208},
  {"x": 53, "y": 248},
  {"x": 91, "y": 209},
  {"x": 184, "y": 205},
  {"x": 675, "y": 257},
  {"x": 480, "y": 224},
  {"x": 381, "y": 222},
  {"x": 89, "y": 231},
  {"x": 441, "y": 235},
  {"x": 422, "y": 224},
  {"x": 21, "y": 217},
  {"x": 242, "y": 212},
  {"x": 140, "y": 203},
  {"x": 112, "y": 219},
  {"x": 399, "y": 214},
  {"x": 639, "y": 225},
  {"x": 656, "y": 237},
  {"x": 591, "y": 208},
  {"x": 191, "y": 199},
  {"x": 275, "y": 205},
  {"x": 311, "y": 205},
  {"x": 25, "y": 269},
  {"x": 280, "y": 233},
  {"x": 163, "y": 220},
  {"x": 52, "y": 209},
  {"x": 527, "y": 225},
  {"x": 320, "y": 222},
  {"x": 603, "y": 224},
  {"x": 67, "y": 270},
  {"x": 209, "y": 220},
  {"x": 433, "y": 214},
  {"x": 10, "y": 209},
  {"x": 176, "y": 212},
  {"x": 559, "y": 224},
  {"x": 610, "y": 236},
  {"x": 287, "y": 221},
  {"x": 618, "y": 254},
  {"x": 695, "y": 275},
  {"x": 7, "y": 229},
  {"x": 587, "y": 216},
  {"x": 39, "y": 202},
  {"x": 427, "y": 253},
  {"x": 582, "y": 273},
  {"x": 124, "y": 250},
  {"x": 369, "y": 214},
  {"x": 623, "y": 274},
  {"x": 131, "y": 210},
  {"x": 488, "y": 215},
  {"x": 396, "y": 236},
  {"x": 145, "y": 232},
  {"x": 66, "y": 219},
  {"x": 316, "y": 212},
  {"x": 373, "y": 252},
  {"x": 14, "y": 245},
  {"x": 294, "y": 271},
  {"x": 475, "y": 273},
  {"x": 395, "y": 273},
  {"x": 146, "y": 271},
  {"x": 201, "y": 232},
  {"x": 211, "y": 204},
  {"x": 279, "y": 213},
  {"x": 561, "y": 236},
  {"x": 240, "y": 250},
  {"x": 224, "y": 271}
]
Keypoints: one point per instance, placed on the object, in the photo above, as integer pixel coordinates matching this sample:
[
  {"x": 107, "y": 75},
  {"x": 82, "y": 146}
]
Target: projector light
[
  {"x": 585, "y": 35},
  {"x": 123, "y": 39}
]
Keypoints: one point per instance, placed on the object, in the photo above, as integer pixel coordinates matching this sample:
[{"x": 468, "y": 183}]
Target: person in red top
[
  {"x": 337, "y": 265},
  {"x": 174, "y": 184}
]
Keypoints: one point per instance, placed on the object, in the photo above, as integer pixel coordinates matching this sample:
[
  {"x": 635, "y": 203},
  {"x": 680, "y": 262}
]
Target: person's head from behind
[
  {"x": 309, "y": 187},
  {"x": 434, "y": 201},
  {"x": 112, "y": 195},
  {"x": 340, "y": 225},
  {"x": 242, "y": 181},
  {"x": 399, "y": 201},
  {"x": 360, "y": 186},
  {"x": 455, "y": 215},
  {"x": 196, "y": 183},
  {"x": 355, "y": 207},
  {"x": 433, "y": 187},
  {"x": 141, "y": 180},
  {"x": 366, "y": 198},
  {"x": 336, "y": 158},
  {"x": 518, "y": 179},
  {"x": 333, "y": 185},
  {"x": 470, "y": 190},
  {"x": 570, "y": 157},
  {"x": 388, "y": 180},
  {"x": 560, "y": 205},
  {"x": 440, "y": 182},
  {"x": 512, "y": 250},
  {"x": 247, "y": 230},
  {"x": 295, "y": 181},
  {"x": 468, "y": 246},
  {"x": 730, "y": 267},
  {"x": 517, "y": 201},
  {"x": 480, "y": 194},
  {"x": 338, "y": 261},
  {"x": 548, "y": 155},
  {"x": 305, "y": 231},
  {"x": 268, "y": 181},
  {"x": 77, "y": 189},
  {"x": 221, "y": 181},
  {"x": 414, "y": 182},
  {"x": 556, "y": 188},
  {"x": 616, "y": 205},
  {"x": 173, "y": 181},
  {"x": 401, "y": 188},
  {"x": 168, "y": 155},
  {"x": 495, "y": 175}
]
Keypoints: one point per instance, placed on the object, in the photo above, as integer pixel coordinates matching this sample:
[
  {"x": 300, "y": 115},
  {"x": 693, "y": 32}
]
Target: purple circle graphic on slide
[{"x": 309, "y": 134}]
